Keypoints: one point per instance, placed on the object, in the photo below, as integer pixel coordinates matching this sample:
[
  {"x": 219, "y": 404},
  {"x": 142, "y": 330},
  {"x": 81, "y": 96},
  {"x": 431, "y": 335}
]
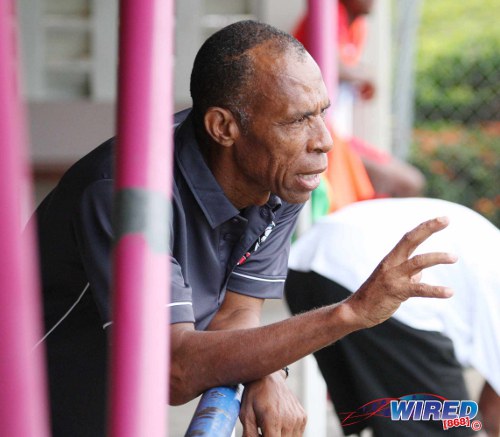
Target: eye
[
  {"x": 323, "y": 113},
  {"x": 300, "y": 120}
]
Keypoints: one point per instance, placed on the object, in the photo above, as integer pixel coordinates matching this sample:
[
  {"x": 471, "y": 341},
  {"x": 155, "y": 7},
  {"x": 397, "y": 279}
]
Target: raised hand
[{"x": 397, "y": 277}]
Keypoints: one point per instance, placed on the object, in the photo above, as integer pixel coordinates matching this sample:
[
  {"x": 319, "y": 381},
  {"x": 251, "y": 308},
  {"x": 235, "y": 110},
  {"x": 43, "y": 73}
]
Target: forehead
[{"x": 287, "y": 81}]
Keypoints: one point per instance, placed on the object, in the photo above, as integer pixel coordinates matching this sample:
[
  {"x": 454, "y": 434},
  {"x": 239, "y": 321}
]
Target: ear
[{"x": 221, "y": 125}]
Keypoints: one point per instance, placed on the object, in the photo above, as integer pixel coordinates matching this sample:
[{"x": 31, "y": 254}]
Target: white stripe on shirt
[
  {"x": 79, "y": 298},
  {"x": 255, "y": 278},
  {"x": 174, "y": 304}
]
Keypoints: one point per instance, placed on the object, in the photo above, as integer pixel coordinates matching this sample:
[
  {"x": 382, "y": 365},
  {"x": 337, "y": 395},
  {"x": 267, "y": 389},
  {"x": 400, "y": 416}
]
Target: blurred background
[{"x": 456, "y": 135}]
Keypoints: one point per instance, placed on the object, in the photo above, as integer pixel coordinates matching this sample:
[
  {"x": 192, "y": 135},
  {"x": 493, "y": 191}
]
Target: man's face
[{"x": 284, "y": 149}]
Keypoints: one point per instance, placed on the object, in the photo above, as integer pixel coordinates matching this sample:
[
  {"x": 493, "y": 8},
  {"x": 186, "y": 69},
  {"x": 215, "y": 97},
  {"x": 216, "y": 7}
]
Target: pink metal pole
[
  {"x": 23, "y": 406},
  {"x": 140, "y": 340},
  {"x": 322, "y": 37}
]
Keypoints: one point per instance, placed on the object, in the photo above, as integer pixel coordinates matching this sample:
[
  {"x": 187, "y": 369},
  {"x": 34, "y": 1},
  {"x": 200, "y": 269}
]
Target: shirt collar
[{"x": 274, "y": 202}]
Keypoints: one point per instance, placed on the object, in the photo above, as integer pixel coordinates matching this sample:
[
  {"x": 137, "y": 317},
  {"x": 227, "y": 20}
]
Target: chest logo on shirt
[{"x": 257, "y": 244}]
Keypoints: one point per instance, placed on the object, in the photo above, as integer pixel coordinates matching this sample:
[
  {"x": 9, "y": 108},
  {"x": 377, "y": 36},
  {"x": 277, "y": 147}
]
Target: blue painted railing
[{"x": 216, "y": 413}]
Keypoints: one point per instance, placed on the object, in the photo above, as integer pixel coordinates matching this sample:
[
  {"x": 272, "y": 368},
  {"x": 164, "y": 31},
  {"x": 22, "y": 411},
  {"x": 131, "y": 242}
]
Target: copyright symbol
[{"x": 476, "y": 425}]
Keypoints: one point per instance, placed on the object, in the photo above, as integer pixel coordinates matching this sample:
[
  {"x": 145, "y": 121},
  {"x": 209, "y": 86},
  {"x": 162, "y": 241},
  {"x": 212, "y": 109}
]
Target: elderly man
[{"x": 247, "y": 156}]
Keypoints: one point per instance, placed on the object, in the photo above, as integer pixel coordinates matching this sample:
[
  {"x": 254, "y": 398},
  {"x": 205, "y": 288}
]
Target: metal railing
[{"x": 216, "y": 413}]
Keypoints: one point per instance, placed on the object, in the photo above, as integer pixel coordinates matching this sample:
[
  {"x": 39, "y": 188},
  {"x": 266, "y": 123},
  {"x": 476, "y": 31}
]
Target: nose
[{"x": 321, "y": 141}]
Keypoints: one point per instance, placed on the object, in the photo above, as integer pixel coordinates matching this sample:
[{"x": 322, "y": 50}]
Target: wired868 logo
[{"x": 420, "y": 406}]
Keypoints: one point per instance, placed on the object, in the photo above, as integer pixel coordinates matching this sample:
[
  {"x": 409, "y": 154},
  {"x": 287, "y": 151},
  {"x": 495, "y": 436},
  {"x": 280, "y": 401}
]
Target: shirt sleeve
[
  {"x": 263, "y": 274},
  {"x": 181, "y": 305}
]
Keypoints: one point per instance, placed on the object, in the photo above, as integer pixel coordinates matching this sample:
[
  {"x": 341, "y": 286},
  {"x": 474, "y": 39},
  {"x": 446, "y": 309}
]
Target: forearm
[
  {"x": 206, "y": 359},
  {"x": 239, "y": 356},
  {"x": 395, "y": 178}
]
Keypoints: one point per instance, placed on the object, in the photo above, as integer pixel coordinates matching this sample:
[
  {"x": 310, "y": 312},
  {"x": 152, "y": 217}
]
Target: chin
[{"x": 295, "y": 197}]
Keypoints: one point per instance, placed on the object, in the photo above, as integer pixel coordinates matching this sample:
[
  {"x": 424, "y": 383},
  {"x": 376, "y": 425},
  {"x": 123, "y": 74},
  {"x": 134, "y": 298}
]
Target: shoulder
[
  {"x": 98, "y": 164},
  {"x": 89, "y": 171}
]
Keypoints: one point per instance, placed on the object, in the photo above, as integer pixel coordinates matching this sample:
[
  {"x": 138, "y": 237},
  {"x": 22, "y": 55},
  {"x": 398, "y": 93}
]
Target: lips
[{"x": 310, "y": 181}]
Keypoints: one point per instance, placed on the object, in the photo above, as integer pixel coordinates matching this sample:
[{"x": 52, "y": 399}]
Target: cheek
[
  {"x": 293, "y": 152},
  {"x": 279, "y": 157},
  {"x": 291, "y": 143},
  {"x": 287, "y": 165}
]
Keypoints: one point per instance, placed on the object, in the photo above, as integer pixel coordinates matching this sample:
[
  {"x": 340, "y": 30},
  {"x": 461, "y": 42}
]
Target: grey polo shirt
[{"x": 216, "y": 247}]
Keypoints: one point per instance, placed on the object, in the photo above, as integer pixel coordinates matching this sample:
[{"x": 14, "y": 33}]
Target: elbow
[
  {"x": 186, "y": 378},
  {"x": 180, "y": 392},
  {"x": 182, "y": 387},
  {"x": 178, "y": 397}
]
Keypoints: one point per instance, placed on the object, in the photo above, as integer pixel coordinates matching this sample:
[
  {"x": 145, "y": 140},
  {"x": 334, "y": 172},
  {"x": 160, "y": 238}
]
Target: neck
[{"x": 236, "y": 188}]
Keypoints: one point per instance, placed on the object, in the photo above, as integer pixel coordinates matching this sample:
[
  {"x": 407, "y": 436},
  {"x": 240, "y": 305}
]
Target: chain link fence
[{"x": 456, "y": 140}]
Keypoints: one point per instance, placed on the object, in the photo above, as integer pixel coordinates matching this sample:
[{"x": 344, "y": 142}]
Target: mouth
[{"x": 310, "y": 181}]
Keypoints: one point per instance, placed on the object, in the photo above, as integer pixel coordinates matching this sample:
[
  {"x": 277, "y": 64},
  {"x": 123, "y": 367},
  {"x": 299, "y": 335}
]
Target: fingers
[
  {"x": 249, "y": 422},
  {"x": 412, "y": 239},
  {"x": 300, "y": 422},
  {"x": 286, "y": 428},
  {"x": 268, "y": 405},
  {"x": 412, "y": 269},
  {"x": 289, "y": 423},
  {"x": 426, "y": 290},
  {"x": 293, "y": 420},
  {"x": 272, "y": 430},
  {"x": 397, "y": 278},
  {"x": 415, "y": 265}
]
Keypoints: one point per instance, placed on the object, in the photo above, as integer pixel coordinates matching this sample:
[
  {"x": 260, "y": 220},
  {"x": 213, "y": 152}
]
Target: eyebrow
[{"x": 309, "y": 113}]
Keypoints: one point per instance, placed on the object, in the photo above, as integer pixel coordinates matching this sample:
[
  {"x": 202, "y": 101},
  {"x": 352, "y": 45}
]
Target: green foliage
[
  {"x": 458, "y": 63},
  {"x": 457, "y": 143},
  {"x": 461, "y": 165}
]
